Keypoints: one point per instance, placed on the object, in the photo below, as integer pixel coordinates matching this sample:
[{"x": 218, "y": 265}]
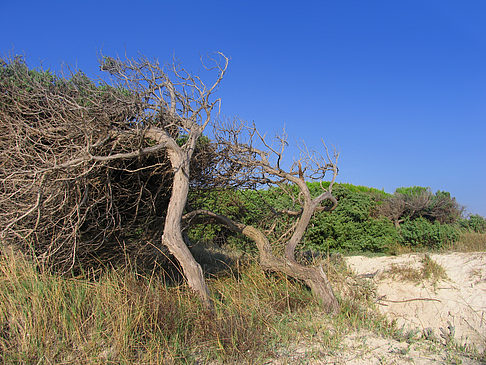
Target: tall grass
[
  {"x": 469, "y": 242},
  {"x": 122, "y": 317},
  {"x": 125, "y": 318}
]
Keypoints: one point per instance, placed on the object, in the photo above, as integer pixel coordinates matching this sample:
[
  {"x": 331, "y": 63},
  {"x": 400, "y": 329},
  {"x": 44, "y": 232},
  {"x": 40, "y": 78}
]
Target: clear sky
[{"x": 399, "y": 87}]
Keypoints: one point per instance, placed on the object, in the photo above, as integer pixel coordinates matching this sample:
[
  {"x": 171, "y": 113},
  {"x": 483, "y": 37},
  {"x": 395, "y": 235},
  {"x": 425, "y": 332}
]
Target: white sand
[{"x": 457, "y": 304}]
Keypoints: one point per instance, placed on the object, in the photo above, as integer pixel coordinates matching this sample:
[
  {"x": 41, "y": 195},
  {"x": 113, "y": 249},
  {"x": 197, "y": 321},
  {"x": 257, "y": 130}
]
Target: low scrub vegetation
[
  {"x": 363, "y": 221},
  {"x": 469, "y": 242}
]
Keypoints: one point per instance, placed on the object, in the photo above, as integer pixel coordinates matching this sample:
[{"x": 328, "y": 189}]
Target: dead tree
[
  {"x": 62, "y": 140},
  {"x": 393, "y": 208},
  {"x": 189, "y": 107},
  {"x": 246, "y": 158},
  {"x": 64, "y": 144}
]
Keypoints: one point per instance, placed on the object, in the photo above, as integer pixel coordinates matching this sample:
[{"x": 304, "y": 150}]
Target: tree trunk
[
  {"x": 172, "y": 236},
  {"x": 313, "y": 276}
]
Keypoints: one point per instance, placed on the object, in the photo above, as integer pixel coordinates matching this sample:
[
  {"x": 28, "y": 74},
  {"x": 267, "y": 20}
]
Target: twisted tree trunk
[
  {"x": 172, "y": 236},
  {"x": 312, "y": 276}
]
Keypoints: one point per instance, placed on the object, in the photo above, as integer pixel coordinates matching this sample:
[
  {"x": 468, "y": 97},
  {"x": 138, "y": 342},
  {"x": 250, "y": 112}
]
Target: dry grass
[
  {"x": 469, "y": 242},
  {"x": 122, "y": 317},
  {"x": 125, "y": 318},
  {"x": 403, "y": 272},
  {"x": 431, "y": 270}
]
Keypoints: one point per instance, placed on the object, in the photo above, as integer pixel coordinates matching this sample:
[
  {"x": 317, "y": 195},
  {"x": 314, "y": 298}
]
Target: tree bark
[
  {"x": 312, "y": 276},
  {"x": 172, "y": 236},
  {"x": 307, "y": 212}
]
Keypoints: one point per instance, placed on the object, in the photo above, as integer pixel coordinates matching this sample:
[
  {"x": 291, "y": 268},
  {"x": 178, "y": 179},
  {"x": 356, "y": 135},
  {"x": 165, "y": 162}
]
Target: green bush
[
  {"x": 242, "y": 206},
  {"x": 334, "y": 234},
  {"x": 475, "y": 223},
  {"x": 412, "y": 190},
  {"x": 420, "y": 232},
  {"x": 353, "y": 226},
  {"x": 350, "y": 228}
]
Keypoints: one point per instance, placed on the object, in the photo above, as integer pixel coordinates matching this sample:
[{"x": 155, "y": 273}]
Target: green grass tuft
[{"x": 429, "y": 270}]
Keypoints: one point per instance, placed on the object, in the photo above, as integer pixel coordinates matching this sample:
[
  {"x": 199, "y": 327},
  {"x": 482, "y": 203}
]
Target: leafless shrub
[
  {"x": 423, "y": 203},
  {"x": 80, "y": 174}
]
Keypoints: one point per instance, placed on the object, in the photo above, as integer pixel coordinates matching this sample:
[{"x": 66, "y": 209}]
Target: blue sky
[{"x": 399, "y": 87}]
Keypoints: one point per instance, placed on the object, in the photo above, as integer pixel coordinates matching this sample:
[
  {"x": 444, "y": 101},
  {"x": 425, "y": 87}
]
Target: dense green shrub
[
  {"x": 350, "y": 228},
  {"x": 315, "y": 186},
  {"x": 244, "y": 206},
  {"x": 333, "y": 233},
  {"x": 412, "y": 190},
  {"x": 475, "y": 223},
  {"x": 420, "y": 232},
  {"x": 354, "y": 226}
]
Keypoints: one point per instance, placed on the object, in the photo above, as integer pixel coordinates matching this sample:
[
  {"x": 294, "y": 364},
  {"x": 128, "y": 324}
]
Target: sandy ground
[
  {"x": 452, "y": 312},
  {"x": 452, "y": 307},
  {"x": 368, "y": 349}
]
